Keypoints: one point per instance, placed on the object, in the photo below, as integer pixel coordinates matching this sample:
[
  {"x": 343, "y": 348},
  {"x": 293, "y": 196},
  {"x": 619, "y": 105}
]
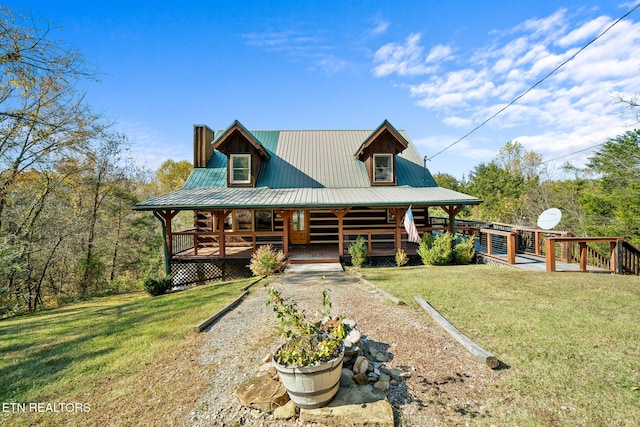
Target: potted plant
[{"x": 310, "y": 361}]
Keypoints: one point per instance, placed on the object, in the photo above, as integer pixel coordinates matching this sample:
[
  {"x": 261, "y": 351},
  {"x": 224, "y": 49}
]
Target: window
[
  {"x": 240, "y": 168},
  {"x": 383, "y": 168},
  {"x": 244, "y": 220},
  {"x": 264, "y": 220}
]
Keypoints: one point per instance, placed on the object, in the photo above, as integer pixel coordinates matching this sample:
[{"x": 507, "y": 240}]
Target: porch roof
[{"x": 281, "y": 198}]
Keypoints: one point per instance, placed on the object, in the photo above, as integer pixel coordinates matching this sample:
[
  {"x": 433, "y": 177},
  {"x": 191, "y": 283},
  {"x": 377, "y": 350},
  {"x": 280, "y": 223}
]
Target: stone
[
  {"x": 381, "y": 357},
  {"x": 384, "y": 377},
  {"x": 354, "y": 350},
  {"x": 263, "y": 393},
  {"x": 361, "y": 365},
  {"x": 354, "y": 336},
  {"x": 382, "y": 386},
  {"x": 346, "y": 380},
  {"x": 396, "y": 374},
  {"x": 356, "y": 406},
  {"x": 361, "y": 379},
  {"x": 285, "y": 412},
  {"x": 347, "y": 372},
  {"x": 351, "y": 324}
]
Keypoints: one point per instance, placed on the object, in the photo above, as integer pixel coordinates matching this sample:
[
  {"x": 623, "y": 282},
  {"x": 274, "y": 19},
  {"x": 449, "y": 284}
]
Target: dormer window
[
  {"x": 240, "y": 168},
  {"x": 383, "y": 167}
]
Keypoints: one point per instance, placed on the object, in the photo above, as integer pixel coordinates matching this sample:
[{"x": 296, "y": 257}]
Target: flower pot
[{"x": 311, "y": 386}]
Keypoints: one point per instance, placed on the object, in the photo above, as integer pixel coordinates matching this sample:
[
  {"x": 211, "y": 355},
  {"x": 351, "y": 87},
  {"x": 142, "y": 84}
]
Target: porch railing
[
  {"x": 195, "y": 241},
  {"x": 582, "y": 253}
]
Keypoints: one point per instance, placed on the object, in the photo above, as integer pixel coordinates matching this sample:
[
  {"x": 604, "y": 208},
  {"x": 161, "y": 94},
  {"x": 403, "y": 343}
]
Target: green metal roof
[
  {"x": 263, "y": 198},
  {"x": 314, "y": 159},
  {"x": 310, "y": 168}
]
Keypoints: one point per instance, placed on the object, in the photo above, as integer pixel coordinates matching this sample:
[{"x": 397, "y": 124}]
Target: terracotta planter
[{"x": 311, "y": 386}]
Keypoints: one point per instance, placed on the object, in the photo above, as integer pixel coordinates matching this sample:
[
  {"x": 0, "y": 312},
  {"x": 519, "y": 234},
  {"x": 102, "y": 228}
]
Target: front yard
[{"x": 571, "y": 341}]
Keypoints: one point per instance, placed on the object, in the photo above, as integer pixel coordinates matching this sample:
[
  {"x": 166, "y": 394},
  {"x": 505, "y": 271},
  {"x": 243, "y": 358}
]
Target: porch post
[
  {"x": 165, "y": 218},
  {"x": 340, "y": 213},
  {"x": 452, "y": 210},
  {"x": 286, "y": 220},
  {"x": 398, "y": 213},
  {"x": 222, "y": 244}
]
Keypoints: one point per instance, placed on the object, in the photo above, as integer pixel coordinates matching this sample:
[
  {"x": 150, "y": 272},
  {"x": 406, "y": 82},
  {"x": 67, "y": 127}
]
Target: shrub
[
  {"x": 358, "y": 251},
  {"x": 266, "y": 261},
  {"x": 464, "y": 250},
  {"x": 436, "y": 251},
  {"x": 401, "y": 258},
  {"x": 307, "y": 342},
  {"x": 157, "y": 285}
]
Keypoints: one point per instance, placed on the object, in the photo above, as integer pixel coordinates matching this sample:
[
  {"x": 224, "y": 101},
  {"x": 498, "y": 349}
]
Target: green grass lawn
[
  {"x": 571, "y": 341},
  {"x": 106, "y": 352}
]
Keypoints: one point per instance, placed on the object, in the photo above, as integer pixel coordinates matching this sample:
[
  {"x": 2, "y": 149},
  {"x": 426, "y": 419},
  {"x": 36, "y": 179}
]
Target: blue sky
[{"x": 436, "y": 69}]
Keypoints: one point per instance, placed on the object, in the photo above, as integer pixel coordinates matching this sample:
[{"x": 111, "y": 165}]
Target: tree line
[
  {"x": 601, "y": 199},
  {"x": 67, "y": 183}
]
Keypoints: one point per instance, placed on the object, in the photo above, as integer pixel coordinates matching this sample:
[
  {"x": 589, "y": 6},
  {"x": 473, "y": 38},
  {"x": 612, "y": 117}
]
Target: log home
[{"x": 309, "y": 193}]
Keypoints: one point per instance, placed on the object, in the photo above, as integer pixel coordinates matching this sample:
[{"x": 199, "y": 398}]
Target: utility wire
[
  {"x": 537, "y": 83},
  {"x": 571, "y": 154}
]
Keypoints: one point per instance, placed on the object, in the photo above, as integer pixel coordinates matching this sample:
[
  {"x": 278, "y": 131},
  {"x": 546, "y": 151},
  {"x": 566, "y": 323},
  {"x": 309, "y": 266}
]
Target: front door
[{"x": 299, "y": 232}]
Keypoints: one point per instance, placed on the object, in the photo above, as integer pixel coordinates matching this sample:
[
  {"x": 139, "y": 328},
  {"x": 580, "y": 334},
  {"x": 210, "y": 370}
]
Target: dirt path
[{"x": 446, "y": 385}]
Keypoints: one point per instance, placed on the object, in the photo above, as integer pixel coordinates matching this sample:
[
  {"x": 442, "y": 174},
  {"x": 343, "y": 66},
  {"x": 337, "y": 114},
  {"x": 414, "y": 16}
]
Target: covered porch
[{"x": 304, "y": 235}]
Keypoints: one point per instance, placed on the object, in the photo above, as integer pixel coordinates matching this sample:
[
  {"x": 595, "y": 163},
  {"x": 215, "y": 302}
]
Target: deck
[{"x": 529, "y": 262}]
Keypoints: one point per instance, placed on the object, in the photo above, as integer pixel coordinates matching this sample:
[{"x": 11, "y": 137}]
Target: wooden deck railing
[
  {"x": 194, "y": 240},
  {"x": 584, "y": 252},
  {"x": 628, "y": 258},
  {"x": 510, "y": 238}
]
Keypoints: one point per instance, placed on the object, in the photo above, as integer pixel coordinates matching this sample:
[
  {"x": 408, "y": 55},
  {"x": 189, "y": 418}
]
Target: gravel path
[{"x": 446, "y": 385}]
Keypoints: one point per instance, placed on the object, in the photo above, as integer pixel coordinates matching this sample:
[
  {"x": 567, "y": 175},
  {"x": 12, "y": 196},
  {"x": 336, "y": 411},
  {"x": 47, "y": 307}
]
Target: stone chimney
[{"x": 202, "y": 147}]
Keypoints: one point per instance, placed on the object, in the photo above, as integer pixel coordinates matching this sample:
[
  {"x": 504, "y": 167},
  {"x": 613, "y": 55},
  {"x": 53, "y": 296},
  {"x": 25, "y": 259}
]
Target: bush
[
  {"x": 157, "y": 285},
  {"x": 401, "y": 258},
  {"x": 464, "y": 250},
  {"x": 266, "y": 261},
  {"x": 358, "y": 251},
  {"x": 436, "y": 251}
]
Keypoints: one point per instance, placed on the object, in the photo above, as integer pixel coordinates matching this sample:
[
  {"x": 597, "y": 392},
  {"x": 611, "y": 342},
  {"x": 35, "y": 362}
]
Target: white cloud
[
  {"x": 299, "y": 46},
  {"x": 570, "y": 110},
  {"x": 380, "y": 28},
  {"x": 407, "y": 59}
]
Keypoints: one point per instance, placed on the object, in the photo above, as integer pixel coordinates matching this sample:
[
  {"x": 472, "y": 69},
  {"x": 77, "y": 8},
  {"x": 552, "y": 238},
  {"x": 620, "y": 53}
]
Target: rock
[
  {"x": 361, "y": 365},
  {"x": 356, "y": 406},
  {"x": 346, "y": 380},
  {"x": 351, "y": 324},
  {"x": 353, "y": 351},
  {"x": 384, "y": 377},
  {"x": 347, "y": 372},
  {"x": 381, "y": 357},
  {"x": 382, "y": 386},
  {"x": 263, "y": 393},
  {"x": 285, "y": 412},
  {"x": 361, "y": 379},
  {"x": 354, "y": 336},
  {"x": 396, "y": 374}
]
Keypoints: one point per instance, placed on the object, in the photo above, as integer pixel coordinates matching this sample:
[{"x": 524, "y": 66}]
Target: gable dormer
[
  {"x": 379, "y": 151},
  {"x": 245, "y": 155}
]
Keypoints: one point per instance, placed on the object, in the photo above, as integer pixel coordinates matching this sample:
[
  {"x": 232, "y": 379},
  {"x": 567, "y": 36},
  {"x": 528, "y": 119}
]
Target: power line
[
  {"x": 575, "y": 152},
  {"x": 537, "y": 83}
]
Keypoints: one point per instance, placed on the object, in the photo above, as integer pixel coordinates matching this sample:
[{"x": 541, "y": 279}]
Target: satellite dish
[{"x": 549, "y": 218}]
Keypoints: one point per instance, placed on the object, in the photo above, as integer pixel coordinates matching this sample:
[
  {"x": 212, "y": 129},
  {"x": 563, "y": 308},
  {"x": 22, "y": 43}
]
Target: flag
[{"x": 410, "y": 226}]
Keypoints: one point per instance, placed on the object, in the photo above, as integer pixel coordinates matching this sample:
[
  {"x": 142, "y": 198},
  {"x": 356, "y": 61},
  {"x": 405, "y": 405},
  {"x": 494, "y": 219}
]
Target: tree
[
  {"x": 616, "y": 201},
  {"x": 42, "y": 117},
  {"x": 505, "y": 185},
  {"x": 172, "y": 175}
]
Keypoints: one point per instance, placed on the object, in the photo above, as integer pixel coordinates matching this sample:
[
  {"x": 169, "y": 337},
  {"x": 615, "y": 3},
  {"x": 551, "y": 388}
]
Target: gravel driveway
[{"x": 446, "y": 385}]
